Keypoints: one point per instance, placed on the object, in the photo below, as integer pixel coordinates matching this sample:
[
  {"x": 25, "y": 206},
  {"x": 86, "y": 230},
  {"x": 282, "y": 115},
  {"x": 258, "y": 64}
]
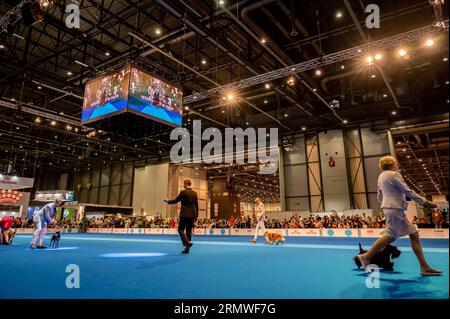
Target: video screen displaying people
[
  {"x": 106, "y": 95},
  {"x": 155, "y": 98}
]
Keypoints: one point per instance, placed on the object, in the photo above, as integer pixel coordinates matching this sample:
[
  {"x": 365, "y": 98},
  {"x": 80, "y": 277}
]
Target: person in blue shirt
[{"x": 42, "y": 218}]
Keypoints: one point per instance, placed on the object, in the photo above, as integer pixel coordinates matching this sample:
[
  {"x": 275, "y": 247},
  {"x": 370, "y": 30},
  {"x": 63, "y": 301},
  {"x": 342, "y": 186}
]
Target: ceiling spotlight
[
  {"x": 107, "y": 53},
  {"x": 318, "y": 72},
  {"x": 373, "y": 76},
  {"x": 394, "y": 112},
  {"x": 69, "y": 73},
  {"x": 345, "y": 121},
  {"x": 39, "y": 87},
  {"x": 221, "y": 2},
  {"x": 339, "y": 14},
  {"x": 402, "y": 52},
  {"x": 186, "y": 108},
  {"x": 158, "y": 31},
  {"x": 230, "y": 97},
  {"x": 204, "y": 62},
  {"x": 267, "y": 86},
  {"x": 303, "y": 128},
  {"x": 314, "y": 90},
  {"x": 263, "y": 41},
  {"x": 429, "y": 43},
  {"x": 2, "y": 46},
  {"x": 53, "y": 123},
  {"x": 286, "y": 115},
  {"x": 291, "y": 81},
  {"x": 369, "y": 59},
  {"x": 265, "y": 101},
  {"x": 45, "y": 3},
  {"x": 444, "y": 59},
  {"x": 342, "y": 67},
  {"x": 37, "y": 120},
  {"x": 378, "y": 56}
]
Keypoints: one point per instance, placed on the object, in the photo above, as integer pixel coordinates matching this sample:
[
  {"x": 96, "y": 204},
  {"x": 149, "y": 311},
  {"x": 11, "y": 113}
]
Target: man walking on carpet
[{"x": 188, "y": 214}]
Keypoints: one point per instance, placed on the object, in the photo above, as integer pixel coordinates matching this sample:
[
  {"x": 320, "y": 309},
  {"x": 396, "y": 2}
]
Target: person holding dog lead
[
  {"x": 260, "y": 216},
  {"x": 392, "y": 192}
]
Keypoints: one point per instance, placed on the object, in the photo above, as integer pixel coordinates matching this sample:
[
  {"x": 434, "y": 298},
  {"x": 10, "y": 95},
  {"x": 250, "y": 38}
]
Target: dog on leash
[
  {"x": 272, "y": 238},
  {"x": 56, "y": 237},
  {"x": 383, "y": 258}
]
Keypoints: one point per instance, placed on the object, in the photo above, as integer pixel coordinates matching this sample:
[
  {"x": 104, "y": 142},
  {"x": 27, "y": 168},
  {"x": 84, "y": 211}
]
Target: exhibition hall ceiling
[{"x": 44, "y": 67}]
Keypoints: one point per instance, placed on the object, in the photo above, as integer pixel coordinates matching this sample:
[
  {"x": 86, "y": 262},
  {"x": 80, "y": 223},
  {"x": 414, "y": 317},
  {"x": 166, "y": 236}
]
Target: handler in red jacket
[{"x": 7, "y": 233}]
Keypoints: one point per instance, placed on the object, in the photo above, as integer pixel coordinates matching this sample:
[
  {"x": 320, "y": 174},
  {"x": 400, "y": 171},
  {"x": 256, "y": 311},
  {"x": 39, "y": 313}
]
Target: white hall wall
[{"x": 151, "y": 185}]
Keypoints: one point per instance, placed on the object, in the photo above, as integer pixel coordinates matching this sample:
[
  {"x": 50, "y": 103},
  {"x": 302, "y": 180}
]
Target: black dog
[
  {"x": 382, "y": 258},
  {"x": 54, "y": 242}
]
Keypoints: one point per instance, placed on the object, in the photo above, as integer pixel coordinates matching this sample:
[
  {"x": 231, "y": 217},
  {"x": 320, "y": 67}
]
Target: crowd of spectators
[{"x": 438, "y": 219}]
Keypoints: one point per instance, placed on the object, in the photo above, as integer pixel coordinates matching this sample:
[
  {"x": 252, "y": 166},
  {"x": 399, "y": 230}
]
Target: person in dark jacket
[{"x": 188, "y": 213}]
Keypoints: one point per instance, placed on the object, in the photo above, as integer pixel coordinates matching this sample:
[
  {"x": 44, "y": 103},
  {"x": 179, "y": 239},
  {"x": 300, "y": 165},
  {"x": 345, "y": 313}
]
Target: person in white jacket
[
  {"x": 41, "y": 218},
  {"x": 260, "y": 216},
  {"x": 392, "y": 192}
]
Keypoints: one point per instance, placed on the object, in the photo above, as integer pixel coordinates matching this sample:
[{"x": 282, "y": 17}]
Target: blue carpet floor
[{"x": 151, "y": 266}]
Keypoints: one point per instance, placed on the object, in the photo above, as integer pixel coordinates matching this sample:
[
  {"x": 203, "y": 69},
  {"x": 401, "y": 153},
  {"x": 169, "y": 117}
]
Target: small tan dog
[{"x": 272, "y": 238}]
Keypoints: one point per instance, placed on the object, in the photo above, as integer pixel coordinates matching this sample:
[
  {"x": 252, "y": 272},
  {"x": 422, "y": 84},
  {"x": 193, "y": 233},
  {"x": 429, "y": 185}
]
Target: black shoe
[
  {"x": 41, "y": 247},
  {"x": 185, "y": 250},
  {"x": 190, "y": 244}
]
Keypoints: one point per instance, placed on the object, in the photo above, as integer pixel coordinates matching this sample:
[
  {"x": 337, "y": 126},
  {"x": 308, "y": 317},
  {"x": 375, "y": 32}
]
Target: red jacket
[{"x": 6, "y": 222}]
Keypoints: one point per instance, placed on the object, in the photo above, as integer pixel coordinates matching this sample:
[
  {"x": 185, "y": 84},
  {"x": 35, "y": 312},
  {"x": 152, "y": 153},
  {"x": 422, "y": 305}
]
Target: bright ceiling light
[
  {"x": 107, "y": 53},
  {"x": 69, "y": 73},
  {"x": 267, "y": 86},
  {"x": 394, "y": 112},
  {"x": 263, "y": 41},
  {"x": 369, "y": 59},
  {"x": 373, "y": 76},
  {"x": 158, "y": 31},
  {"x": 345, "y": 121},
  {"x": 378, "y": 56},
  {"x": 429, "y": 43},
  {"x": 204, "y": 62},
  {"x": 339, "y": 14},
  {"x": 319, "y": 72},
  {"x": 402, "y": 52},
  {"x": 2, "y": 46}
]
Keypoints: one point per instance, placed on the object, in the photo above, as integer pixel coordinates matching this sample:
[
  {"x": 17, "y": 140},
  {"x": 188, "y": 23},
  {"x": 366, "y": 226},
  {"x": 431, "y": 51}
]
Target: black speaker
[{"x": 31, "y": 14}]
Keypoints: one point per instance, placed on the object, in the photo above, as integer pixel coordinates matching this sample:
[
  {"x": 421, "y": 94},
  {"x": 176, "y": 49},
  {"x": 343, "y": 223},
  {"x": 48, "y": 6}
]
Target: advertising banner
[
  {"x": 170, "y": 231},
  {"x": 339, "y": 232},
  {"x": 71, "y": 230},
  {"x": 218, "y": 232},
  {"x": 24, "y": 230},
  {"x": 92, "y": 230},
  {"x": 136, "y": 231},
  {"x": 243, "y": 232},
  {"x": 371, "y": 232},
  {"x": 433, "y": 233},
  {"x": 199, "y": 231},
  {"x": 120, "y": 230},
  {"x": 153, "y": 231},
  {"x": 104, "y": 230}
]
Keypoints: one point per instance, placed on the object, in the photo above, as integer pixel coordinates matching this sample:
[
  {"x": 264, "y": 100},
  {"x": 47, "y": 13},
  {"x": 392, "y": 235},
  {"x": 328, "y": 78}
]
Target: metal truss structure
[
  {"x": 13, "y": 16},
  {"x": 332, "y": 58}
]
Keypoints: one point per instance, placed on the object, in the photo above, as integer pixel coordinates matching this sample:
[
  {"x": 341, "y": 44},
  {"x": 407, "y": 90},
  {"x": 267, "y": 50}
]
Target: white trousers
[
  {"x": 260, "y": 226},
  {"x": 39, "y": 232}
]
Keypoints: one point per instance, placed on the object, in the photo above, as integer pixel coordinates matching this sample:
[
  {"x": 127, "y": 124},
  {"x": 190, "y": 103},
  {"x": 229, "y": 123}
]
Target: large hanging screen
[
  {"x": 152, "y": 97},
  {"x": 132, "y": 90},
  {"x": 106, "y": 96}
]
